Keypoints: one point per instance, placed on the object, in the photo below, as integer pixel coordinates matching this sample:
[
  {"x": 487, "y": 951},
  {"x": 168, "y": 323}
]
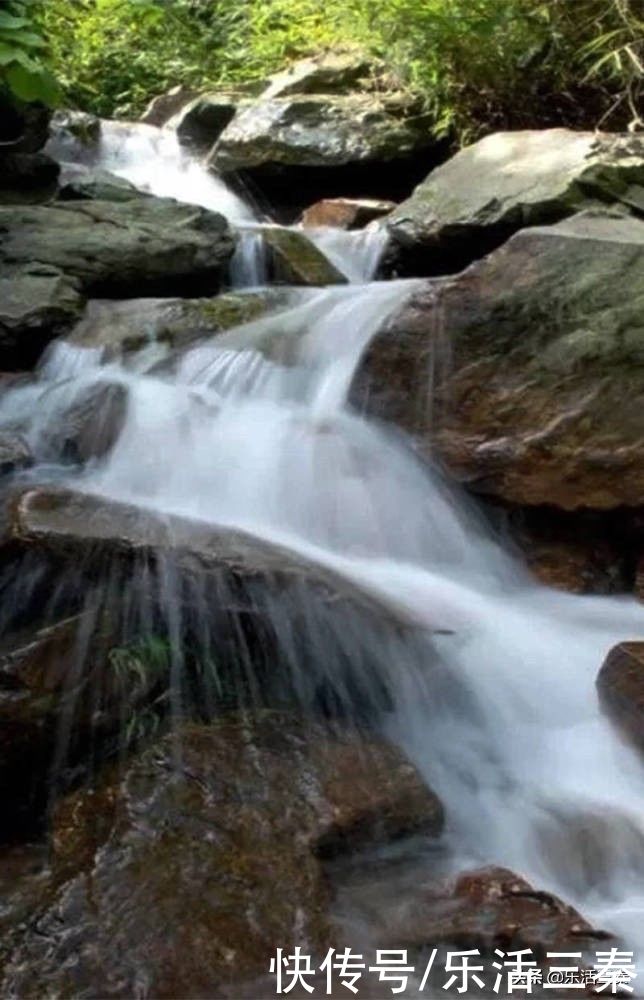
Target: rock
[
  {"x": 24, "y": 127},
  {"x": 38, "y": 302},
  {"x": 536, "y": 358},
  {"x": 27, "y": 177},
  {"x": 80, "y": 527},
  {"x": 507, "y": 181},
  {"x": 90, "y": 426},
  {"x": 298, "y": 149},
  {"x": 346, "y": 213},
  {"x": 15, "y": 453},
  {"x": 328, "y": 73},
  {"x": 620, "y": 686},
  {"x": 62, "y": 699},
  {"x": 200, "y": 123},
  {"x": 82, "y": 183},
  {"x": 142, "y": 245},
  {"x": 161, "y": 109},
  {"x": 226, "y": 832},
  {"x": 412, "y": 908},
  {"x": 583, "y": 552},
  {"x": 74, "y": 136},
  {"x": 293, "y": 259},
  {"x": 118, "y": 328}
]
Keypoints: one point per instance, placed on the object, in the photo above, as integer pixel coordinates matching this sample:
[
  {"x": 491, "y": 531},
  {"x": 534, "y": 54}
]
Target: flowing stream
[{"x": 509, "y": 731}]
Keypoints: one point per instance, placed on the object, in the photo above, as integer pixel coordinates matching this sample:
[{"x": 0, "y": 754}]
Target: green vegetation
[
  {"x": 23, "y": 70},
  {"x": 477, "y": 63}
]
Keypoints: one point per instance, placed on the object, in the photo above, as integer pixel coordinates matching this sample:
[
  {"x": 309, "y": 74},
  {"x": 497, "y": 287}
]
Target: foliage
[
  {"x": 23, "y": 69},
  {"x": 477, "y": 63}
]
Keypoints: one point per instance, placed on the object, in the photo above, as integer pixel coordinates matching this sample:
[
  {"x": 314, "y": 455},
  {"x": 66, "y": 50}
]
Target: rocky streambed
[{"x": 267, "y": 678}]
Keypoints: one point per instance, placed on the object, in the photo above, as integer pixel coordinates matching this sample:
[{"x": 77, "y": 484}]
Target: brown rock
[
  {"x": 346, "y": 213},
  {"x": 189, "y": 870},
  {"x": 620, "y": 685},
  {"x": 535, "y": 354}
]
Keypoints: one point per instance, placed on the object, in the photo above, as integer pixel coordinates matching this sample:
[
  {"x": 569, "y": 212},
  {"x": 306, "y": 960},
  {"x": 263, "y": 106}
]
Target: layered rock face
[{"x": 505, "y": 182}]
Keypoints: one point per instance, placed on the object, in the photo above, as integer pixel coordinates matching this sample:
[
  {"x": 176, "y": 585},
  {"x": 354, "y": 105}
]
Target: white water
[{"x": 509, "y": 731}]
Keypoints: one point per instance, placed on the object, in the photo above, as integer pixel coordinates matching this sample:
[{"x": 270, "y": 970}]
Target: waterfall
[{"x": 254, "y": 430}]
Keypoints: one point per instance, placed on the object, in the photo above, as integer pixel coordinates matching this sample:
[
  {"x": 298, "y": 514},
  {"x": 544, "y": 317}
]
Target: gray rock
[
  {"x": 298, "y": 149},
  {"x": 15, "y": 453},
  {"x": 200, "y": 123},
  {"x": 330, "y": 73},
  {"x": 509, "y": 180},
  {"x": 37, "y": 303},
  {"x": 537, "y": 359},
  {"x": 140, "y": 245},
  {"x": 118, "y": 328},
  {"x": 82, "y": 183}
]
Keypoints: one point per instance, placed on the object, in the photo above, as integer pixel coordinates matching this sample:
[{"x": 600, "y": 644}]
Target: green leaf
[
  {"x": 11, "y": 22},
  {"x": 32, "y": 85}
]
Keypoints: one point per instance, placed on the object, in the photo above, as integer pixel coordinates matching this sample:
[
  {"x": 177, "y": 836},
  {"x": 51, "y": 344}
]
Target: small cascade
[
  {"x": 356, "y": 253},
  {"x": 249, "y": 266}
]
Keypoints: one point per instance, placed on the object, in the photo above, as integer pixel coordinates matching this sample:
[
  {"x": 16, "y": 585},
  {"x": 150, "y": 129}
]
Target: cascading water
[{"x": 254, "y": 430}]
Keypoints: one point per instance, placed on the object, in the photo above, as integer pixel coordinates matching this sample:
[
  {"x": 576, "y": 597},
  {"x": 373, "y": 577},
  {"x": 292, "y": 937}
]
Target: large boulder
[
  {"x": 37, "y": 303},
  {"x": 620, "y": 686},
  {"x": 536, "y": 355},
  {"x": 506, "y": 181},
  {"x": 143, "y": 245},
  {"x": 187, "y": 871},
  {"x": 307, "y": 146},
  {"x": 80, "y": 528},
  {"x": 24, "y": 126}
]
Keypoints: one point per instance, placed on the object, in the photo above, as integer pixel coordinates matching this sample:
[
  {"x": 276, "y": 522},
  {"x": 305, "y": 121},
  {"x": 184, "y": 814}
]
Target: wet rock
[
  {"x": 535, "y": 355},
  {"x": 38, "y": 302},
  {"x": 295, "y": 150},
  {"x": 200, "y": 123},
  {"x": 80, "y": 527},
  {"x": 15, "y": 453},
  {"x": 582, "y": 552},
  {"x": 143, "y": 245},
  {"x": 90, "y": 426},
  {"x": 620, "y": 686},
  {"x": 346, "y": 213},
  {"x": 118, "y": 328},
  {"x": 161, "y": 108},
  {"x": 189, "y": 870},
  {"x": 507, "y": 181},
  {"x": 485, "y": 909},
  {"x": 27, "y": 177},
  {"x": 293, "y": 259},
  {"x": 82, "y": 183},
  {"x": 74, "y": 136},
  {"x": 62, "y": 697}
]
